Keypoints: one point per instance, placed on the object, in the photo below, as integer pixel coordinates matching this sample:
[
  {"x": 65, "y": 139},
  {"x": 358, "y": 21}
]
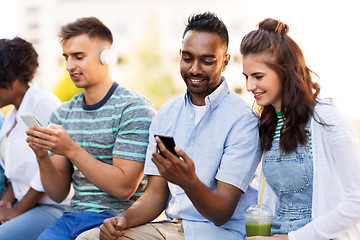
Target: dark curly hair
[
  {"x": 298, "y": 90},
  {"x": 208, "y": 22},
  {"x": 18, "y": 61}
]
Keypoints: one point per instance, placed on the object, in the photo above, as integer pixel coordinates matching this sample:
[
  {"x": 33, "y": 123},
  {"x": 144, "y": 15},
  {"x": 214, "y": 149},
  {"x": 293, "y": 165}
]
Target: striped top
[
  {"x": 116, "y": 127},
  {"x": 279, "y": 125}
]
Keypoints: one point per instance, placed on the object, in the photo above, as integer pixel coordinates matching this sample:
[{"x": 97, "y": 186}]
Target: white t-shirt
[
  {"x": 20, "y": 164},
  {"x": 199, "y": 112}
]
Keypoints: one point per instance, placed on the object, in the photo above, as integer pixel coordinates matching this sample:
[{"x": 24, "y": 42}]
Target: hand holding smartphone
[
  {"x": 168, "y": 142},
  {"x": 30, "y": 120}
]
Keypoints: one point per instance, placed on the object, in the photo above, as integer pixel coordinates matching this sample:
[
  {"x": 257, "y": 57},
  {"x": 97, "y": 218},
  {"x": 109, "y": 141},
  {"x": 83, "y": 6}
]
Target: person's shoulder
[
  {"x": 123, "y": 92},
  {"x": 324, "y": 104},
  {"x": 329, "y": 113},
  {"x": 130, "y": 102},
  {"x": 41, "y": 95},
  {"x": 172, "y": 106},
  {"x": 330, "y": 117},
  {"x": 238, "y": 105},
  {"x": 327, "y": 109},
  {"x": 233, "y": 97},
  {"x": 75, "y": 101},
  {"x": 130, "y": 96},
  {"x": 40, "y": 102},
  {"x": 64, "y": 110}
]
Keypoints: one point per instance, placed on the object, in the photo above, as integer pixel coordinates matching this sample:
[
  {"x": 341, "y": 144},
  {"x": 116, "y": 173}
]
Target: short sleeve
[{"x": 241, "y": 153}]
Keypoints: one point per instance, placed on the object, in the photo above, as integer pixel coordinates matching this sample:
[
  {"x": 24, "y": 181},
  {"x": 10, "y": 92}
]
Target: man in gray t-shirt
[{"x": 98, "y": 138}]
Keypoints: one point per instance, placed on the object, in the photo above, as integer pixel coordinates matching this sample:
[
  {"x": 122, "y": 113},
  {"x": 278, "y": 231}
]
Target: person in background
[
  {"x": 98, "y": 138},
  {"x": 25, "y": 210},
  {"x": 2, "y": 117},
  {"x": 311, "y": 157},
  {"x": 205, "y": 189},
  {"x": 2, "y": 175}
]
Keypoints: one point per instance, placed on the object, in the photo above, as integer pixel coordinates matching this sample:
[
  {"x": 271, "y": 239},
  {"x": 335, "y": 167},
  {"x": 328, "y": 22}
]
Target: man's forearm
[
  {"x": 56, "y": 182},
  {"x": 218, "y": 206},
  {"x": 8, "y": 195},
  {"x": 150, "y": 205},
  {"x": 120, "y": 179}
]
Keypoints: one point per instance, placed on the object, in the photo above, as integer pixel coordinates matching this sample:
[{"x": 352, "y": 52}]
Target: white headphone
[{"x": 108, "y": 57}]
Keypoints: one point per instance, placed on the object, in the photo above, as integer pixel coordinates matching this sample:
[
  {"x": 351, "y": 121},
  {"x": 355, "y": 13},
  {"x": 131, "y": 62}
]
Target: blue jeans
[
  {"x": 2, "y": 180},
  {"x": 30, "y": 224},
  {"x": 72, "y": 224}
]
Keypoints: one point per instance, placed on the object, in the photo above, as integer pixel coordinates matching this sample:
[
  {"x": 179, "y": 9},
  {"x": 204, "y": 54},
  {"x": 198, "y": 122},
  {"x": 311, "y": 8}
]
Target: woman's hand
[
  {"x": 7, "y": 214},
  {"x": 5, "y": 204}
]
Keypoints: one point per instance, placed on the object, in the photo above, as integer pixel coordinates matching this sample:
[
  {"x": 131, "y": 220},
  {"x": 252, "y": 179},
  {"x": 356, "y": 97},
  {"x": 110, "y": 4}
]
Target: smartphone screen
[
  {"x": 30, "y": 120},
  {"x": 168, "y": 142}
]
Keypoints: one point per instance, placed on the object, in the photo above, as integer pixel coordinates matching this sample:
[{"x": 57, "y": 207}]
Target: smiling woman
[
  {"x": 305, "y": 140},
  {"x": 262, "y": 81}
]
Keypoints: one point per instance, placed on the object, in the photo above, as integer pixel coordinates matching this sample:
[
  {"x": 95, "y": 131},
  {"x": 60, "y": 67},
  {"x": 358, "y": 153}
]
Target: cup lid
[{"x": 254, "y": 210}]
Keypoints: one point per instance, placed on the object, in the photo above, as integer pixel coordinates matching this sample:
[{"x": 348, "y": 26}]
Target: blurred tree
[{"x": 150, "y": 77}]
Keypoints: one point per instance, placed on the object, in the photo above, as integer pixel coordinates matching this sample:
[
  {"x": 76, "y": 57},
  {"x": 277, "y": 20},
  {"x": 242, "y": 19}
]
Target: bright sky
[
  {"x": 326, "y": 31},
  {"x": 328, "y": 34},
  {"x": 7, "y": 18}
]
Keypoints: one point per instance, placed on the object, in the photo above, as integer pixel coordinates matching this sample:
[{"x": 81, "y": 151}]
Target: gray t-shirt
[{"x": 116, "y": 127}]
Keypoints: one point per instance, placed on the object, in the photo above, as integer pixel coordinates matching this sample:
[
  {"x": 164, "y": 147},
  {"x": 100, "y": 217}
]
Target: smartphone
[
  {"x": 168, "y": 142},
  {"x": 30, "y": 120}
]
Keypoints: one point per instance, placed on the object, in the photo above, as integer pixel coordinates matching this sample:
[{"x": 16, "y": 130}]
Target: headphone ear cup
[{"x": 107, "y": 57}]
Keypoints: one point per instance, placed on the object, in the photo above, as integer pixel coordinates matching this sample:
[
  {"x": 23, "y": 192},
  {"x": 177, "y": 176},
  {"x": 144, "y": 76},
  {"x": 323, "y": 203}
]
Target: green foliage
[{"x": 150, "y": 77}]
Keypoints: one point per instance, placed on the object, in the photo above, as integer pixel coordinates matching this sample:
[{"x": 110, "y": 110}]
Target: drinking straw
[
  {"x": 260, "y": 199},
  {"x": 261, "y": 193}
]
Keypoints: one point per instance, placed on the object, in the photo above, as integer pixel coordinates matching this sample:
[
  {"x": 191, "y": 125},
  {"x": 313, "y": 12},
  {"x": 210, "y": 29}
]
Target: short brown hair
[{"x": 91, "y": 26}]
